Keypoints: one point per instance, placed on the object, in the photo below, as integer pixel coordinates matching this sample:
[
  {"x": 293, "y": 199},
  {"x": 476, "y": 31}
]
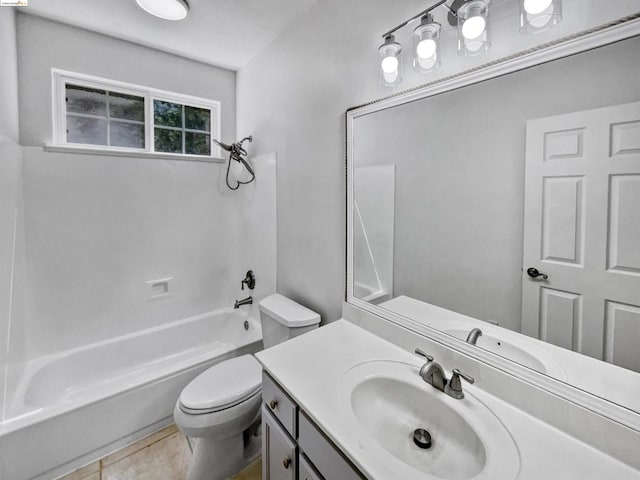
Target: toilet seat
[{"x": 222, "y": 386}]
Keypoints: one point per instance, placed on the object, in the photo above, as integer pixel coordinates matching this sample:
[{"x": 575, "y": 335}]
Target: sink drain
[{"x": 422, "y": 438}]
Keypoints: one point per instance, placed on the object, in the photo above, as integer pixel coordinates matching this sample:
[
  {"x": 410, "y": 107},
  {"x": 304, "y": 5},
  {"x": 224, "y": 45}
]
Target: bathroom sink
[
  {"x": 528, "y": 356},
  {"x": 386, "y": 401}
]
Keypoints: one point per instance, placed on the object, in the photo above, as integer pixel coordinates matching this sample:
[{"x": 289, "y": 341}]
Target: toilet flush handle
[{"x": 273, "y": 404}]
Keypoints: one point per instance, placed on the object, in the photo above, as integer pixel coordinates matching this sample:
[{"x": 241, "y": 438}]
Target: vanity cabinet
[{"x": 293, "y": 448}]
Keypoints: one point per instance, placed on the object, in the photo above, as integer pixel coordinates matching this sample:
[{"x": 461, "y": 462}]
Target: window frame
[{"x": 60, "y": 79}]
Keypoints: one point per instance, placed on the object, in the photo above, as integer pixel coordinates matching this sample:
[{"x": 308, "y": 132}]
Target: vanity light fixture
[
  {"x": 165, "y": 9},
  {"x": 471, "y": 17},
  {"x": 539, "y": 15}
]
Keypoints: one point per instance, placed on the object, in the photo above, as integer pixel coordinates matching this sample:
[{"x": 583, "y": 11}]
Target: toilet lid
[{"x": 224, "y": 385}]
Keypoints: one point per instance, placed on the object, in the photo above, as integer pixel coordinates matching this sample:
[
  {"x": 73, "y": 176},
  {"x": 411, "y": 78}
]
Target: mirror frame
[{"x": 580, "y": 42}]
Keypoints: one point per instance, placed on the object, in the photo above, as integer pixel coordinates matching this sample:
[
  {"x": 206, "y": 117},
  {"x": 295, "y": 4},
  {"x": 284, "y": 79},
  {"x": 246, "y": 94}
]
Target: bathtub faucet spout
[{"x": 244, "y": 301}]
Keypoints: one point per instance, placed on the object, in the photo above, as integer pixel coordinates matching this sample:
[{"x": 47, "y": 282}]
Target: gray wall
[
  {"x": 460, "y": 175},
  {"x": 293, "y": 95},
  {"x": 44, "y": 44}
]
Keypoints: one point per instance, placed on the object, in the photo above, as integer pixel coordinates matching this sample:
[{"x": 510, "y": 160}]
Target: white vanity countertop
[{"x": 310, "y": 369}]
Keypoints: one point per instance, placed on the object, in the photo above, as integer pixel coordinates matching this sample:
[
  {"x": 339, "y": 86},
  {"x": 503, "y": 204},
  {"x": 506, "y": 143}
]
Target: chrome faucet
[
  {"x": 432, "y": 373},
  {"x": 244, "y": 301},
  {"x": 472, "y": 338}
]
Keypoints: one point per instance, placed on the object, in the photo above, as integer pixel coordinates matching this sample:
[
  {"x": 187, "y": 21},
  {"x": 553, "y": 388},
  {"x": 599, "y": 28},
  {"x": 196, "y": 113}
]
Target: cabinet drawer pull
[
  {"x": 286, "y": 462},
  {"x": 273, "y": 404}
]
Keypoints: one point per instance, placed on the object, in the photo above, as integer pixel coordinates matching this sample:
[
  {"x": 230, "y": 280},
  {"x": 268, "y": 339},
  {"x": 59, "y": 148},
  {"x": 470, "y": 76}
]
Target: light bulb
[
  {"x": 428, "y": 63},
  {"x": 473, "y": 27},
  {"x": 534, "y": 7},
  {"x": 390, "y": 77},
  {"x": 426, "y": 48},
  {"x": 389, "y": 65}
]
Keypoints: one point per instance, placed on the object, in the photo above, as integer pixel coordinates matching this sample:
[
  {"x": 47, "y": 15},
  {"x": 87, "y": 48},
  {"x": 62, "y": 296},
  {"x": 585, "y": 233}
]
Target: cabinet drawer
[
  {"x": 307, "y": 471},
  {"x": 280, "y": 405},
  {"x": 279, "y": 453},
  {"x": 322, "y": 453}
]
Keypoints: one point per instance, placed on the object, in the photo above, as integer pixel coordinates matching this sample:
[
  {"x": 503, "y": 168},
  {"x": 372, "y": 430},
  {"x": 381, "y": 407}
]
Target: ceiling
[{"x": 226, "y": 33}]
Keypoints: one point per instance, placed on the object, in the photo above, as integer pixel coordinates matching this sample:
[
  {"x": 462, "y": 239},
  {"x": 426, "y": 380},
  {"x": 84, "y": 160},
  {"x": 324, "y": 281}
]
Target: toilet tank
[{"x": 282, "y": 319}]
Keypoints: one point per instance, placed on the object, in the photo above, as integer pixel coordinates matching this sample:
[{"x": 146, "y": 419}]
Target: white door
[{"x": 582, "y": 229}]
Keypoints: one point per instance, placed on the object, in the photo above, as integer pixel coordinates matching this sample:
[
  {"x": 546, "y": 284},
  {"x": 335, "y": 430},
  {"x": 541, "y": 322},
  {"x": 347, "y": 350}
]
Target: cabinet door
[
  {"x": 279, "y": 453},
  {"x": 307, "y": 472},
  {"x": 324, "y": 456}
]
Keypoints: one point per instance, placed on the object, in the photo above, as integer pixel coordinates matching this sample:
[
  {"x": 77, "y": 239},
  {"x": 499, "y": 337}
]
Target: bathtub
[{"x": 73, "y": 407}]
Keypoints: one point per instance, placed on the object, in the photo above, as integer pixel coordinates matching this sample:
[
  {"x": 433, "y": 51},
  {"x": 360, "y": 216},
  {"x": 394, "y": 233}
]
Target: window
[
  {"x": 102, "y": 117},
  {"x": 102, "y": 114},
  {"x": 181, "y": 128}
]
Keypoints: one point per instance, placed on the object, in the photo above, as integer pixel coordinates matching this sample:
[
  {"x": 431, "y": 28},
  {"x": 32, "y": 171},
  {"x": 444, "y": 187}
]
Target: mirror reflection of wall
[
  {"x": 460, "y": 201},
  {"x": 374, "y": 232}
]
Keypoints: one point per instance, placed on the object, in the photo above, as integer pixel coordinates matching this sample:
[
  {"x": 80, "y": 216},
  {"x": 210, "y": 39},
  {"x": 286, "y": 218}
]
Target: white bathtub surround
[
  {"x": 99, "y": 227},
  {"x": 11, "y": 205},
  {"x": 315, "y": 368},
  {"x": 76, "y": 406}
]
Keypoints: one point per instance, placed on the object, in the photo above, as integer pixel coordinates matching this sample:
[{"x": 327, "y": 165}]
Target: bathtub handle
[
  {"x": 273, "y": 404},
  {"x": 286, "y": 462},
  {"x": 249, "y": 281}
]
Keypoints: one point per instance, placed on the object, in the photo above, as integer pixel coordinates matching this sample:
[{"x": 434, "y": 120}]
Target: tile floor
[{"x": 163, "y": 455}]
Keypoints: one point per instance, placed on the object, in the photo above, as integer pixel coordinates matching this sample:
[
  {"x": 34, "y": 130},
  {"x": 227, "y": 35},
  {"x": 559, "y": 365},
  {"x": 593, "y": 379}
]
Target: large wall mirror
[{"x": 510, "y": 204}]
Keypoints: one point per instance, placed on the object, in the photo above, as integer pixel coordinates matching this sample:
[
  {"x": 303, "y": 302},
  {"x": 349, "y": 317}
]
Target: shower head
[
  {"x": 235, "y": 147},
  {"x": 223, "y": 145}
]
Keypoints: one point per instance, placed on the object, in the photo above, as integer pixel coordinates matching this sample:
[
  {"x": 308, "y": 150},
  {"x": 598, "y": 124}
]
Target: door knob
[{"x": 534, "y": 273}]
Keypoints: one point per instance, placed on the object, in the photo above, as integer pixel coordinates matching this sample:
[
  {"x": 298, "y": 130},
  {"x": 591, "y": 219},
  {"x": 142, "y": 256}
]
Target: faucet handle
[
  {"x": 458, "y": 373},
  {"x": 454, "y": 387},
  {"x": 249, "y": 281},
  {"x": 423, "y": 354}
]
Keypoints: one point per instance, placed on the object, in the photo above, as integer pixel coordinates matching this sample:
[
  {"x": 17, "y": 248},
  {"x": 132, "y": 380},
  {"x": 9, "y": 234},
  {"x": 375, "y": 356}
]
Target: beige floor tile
[
  {"x": 84, "y": 473},
  {"x": 139, "y": 445},
  {"x": 252, "y": 472},
  {"x": 167, "y": 459}
]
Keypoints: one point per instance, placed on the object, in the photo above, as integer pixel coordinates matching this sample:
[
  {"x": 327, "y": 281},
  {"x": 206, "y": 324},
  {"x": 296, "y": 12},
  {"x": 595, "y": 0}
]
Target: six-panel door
[{"x": 582, "y": 229}]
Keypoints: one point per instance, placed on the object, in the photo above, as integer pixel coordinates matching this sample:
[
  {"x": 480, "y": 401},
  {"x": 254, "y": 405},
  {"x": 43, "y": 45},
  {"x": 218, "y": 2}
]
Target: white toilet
[{"x": 220, "y": 408}]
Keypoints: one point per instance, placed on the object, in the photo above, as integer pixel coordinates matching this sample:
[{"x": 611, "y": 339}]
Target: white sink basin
[
  {"x": 386, "y": 401},
  {"x": 531, "y": 357}
]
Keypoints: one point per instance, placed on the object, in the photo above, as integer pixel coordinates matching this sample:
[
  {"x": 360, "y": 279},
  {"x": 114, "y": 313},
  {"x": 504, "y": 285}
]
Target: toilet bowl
[
  {"x": 215, "y": 409},
  {"x": 220, "y": 408}
]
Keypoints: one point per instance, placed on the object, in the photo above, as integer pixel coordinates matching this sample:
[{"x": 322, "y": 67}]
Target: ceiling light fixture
[
  {"x": 471, "y": 17},
  {"x": 165, "y": 9}
]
